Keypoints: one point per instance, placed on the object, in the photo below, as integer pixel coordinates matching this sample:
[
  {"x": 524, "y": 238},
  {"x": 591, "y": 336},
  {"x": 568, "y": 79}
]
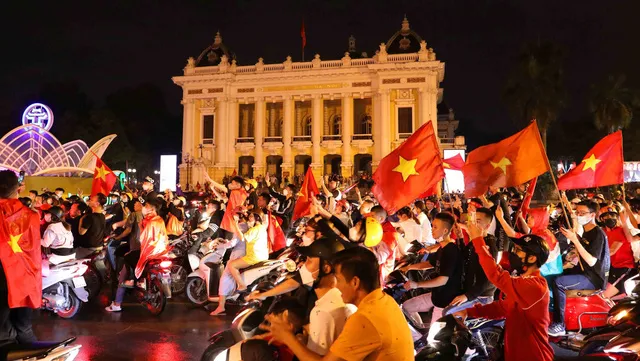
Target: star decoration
[
  {"x": 13, "y": 242},
  {"x": 407, "y": 168},
  {"x": 102, "y": 173},
  {"x": 590, "y": 163},
  {"x": 502, "y": 164},
  {"x": 446, "y": 165}
]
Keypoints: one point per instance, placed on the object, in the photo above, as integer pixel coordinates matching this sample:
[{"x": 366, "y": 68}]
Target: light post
[
  {"x": 132, "y": 171},
  {"x": 188, "y": 161}
]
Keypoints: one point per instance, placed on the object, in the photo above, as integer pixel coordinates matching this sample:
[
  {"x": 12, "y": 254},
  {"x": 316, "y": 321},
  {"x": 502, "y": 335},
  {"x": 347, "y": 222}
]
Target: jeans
[
  {"x": 15, "y": 323},
  {"x": 560, "y": 285},
  {"x": 463, "y": 306}
]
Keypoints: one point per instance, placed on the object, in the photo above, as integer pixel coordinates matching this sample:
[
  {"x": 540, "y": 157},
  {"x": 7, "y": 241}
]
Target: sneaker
[
  {"x": 113, "y": 308},
  {"x": 556, "y": 329}
]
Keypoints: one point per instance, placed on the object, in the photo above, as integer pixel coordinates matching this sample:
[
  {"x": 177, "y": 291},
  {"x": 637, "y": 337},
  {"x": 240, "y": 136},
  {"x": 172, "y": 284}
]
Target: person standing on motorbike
[
  {"x": 526, "y": 304},
  {"x": 58, "y": 236},
  {"x": 20, "y": 263},
  {"x": 593, "y": 264}
]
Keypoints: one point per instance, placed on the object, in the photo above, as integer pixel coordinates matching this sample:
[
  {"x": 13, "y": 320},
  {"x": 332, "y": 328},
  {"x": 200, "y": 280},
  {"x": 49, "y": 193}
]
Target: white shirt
[
  {"x": 56, "y": 236},
  {"x": 425, "y": 224},
  {"x": 412, "y": 232},
  {"x": 327, "y": 320}
]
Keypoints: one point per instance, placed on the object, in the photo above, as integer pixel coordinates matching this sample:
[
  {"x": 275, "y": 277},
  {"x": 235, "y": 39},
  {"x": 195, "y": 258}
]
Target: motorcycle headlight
[
  {"x": 618, "y": 318},
  {"x": 433, "y": 331}
]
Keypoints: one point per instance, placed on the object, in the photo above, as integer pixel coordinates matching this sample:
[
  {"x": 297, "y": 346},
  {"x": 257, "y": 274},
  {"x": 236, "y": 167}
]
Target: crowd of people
[{"x": 335, "y": 307}]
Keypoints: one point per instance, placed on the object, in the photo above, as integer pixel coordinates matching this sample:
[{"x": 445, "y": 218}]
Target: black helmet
[
  {"x": 57, "y": 214},
  {"x": 535, "y": 246},
  {"x": 324, "y": 248}
]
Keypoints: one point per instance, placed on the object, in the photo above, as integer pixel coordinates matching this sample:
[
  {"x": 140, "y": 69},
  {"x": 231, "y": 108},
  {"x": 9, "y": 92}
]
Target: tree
[
  {"x": 535, "y": 86},
  {"x": 612, "y": 104}
]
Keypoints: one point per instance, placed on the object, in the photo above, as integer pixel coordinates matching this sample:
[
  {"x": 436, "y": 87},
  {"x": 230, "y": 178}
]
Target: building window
[
  {"x": 405, "y": 121},
  {"x": 362, "y": 116},
  {"x": 247, "y": 118},
  {"x": 366, "y": 125},
  {"x": 308, "y": 125},
  {"x": 302, "y": 116},
  {"x": 335, "y": 125},
  {"x": 274, "y": 119},
  {"x": 208, "y": 129}
]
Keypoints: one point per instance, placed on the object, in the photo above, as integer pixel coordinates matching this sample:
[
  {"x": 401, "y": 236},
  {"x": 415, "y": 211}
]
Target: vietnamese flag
[
  {"x": 305, "y": 196},
  {"x": 602, "y": 166},
  {"x": 453, "y": 163},
  {"x": 236, "y": 200},
  {"x": 407, "y": 172},
  {"x": 103, "y": 179},
  {"x": 303, "y": 35},
  {"x": 275, "y": 234},
  {"x": 526, "y": 202},
  {"x": 508, "y": 163}
]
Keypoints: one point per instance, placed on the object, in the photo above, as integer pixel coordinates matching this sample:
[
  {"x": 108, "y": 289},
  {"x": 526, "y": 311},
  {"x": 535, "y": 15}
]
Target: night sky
[{"x": 108, "y": 45}]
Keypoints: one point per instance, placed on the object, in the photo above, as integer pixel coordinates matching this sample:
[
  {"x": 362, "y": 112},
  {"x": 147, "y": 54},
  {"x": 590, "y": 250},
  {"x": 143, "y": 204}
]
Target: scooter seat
[
  {"x": 582, "y": 293},
  {"x": 16, "y": 351},
  {"x": 212, "y": 265}
]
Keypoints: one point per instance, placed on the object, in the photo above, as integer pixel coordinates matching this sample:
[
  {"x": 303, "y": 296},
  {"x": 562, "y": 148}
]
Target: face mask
[
  {"x": 610, "y": 222},
  {"x": 306, "y": 275},
  {"x": 306, "y": 240},
  {"x": 516, "y": 263},
  {"x": 583, "y": 220}
]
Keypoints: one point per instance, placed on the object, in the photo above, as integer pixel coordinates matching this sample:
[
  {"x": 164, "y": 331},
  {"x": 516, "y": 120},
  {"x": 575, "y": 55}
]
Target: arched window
[
  {"x": 336, "y": 125},
  {"x": 308, "y": 125}
]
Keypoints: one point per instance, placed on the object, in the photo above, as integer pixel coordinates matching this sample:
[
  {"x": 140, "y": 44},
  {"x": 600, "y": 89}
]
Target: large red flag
[
  {"x": 153, "y": 241},
  {"x": 275, "y": 234},
  {"x": 307, "y": 192},
  {"x": 407, "y": 172},
  {"x": 602, "y": 166},
  {"x": 508, "y": 163},
  {"x": 103, "y": 179},
  {"x": 303, "y": 35},
  {"x": 20, "y": 253},
  {"x": 453, "y": 163},
  {"x": 236, "y": 199}
]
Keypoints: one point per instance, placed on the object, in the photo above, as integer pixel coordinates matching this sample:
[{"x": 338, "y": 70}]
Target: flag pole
[{"x": 553, "y": 177}]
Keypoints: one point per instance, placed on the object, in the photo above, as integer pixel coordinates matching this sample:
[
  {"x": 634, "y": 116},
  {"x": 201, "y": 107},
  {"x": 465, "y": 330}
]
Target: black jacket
[
  {"x": 287, "y": 205},
  {"x": 474, "y": 280}
]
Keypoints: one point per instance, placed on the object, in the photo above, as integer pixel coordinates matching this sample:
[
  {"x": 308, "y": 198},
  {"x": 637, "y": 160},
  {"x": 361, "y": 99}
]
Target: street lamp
[{"x": 188, "y": 161}]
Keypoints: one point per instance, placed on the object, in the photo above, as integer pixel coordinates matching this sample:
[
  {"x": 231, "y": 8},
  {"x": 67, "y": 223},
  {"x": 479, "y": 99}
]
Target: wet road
[{"x": 180, "y": 333}]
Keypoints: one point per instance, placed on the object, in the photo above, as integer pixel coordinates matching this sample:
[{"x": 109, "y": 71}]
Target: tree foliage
[{"x": 612, "y": 104}]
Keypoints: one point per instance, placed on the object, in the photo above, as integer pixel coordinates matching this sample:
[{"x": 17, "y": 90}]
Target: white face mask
[
  {"x": 307, "y": 276},
  {"x": 306, "y": 240},
  {"x": 583, "y": 220}
]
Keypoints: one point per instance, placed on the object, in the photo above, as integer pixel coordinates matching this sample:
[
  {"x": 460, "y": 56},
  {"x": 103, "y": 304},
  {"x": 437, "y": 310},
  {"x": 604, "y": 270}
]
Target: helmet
[
  {"x": 57, "y": 214},
  {"x": 535, "y": 246},
  {"x": 324, "y": 248},
  {"x": 373, "y": 232},
  {"x": 183, "y": 200},
  {"x": 252, "y": 182},
  {"x": 608, "y": 209}
]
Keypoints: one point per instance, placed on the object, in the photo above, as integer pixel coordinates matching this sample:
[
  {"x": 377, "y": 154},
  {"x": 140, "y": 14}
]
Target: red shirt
[
  {"x": 623, "y": 258},
  {"x": 525, "y": 310}
]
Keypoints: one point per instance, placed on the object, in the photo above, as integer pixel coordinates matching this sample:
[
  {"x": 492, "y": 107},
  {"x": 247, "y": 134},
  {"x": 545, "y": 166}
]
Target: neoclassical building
[{"x": 336, "y": 116}]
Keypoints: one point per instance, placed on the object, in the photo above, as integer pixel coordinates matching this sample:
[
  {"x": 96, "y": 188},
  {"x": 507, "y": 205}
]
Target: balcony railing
[
  {"x": 447, "y": 140},
  {"x": 362, "y": 137},
  {"x": 273, "y": 139},
  {"x": 207, "y": 141},
  {"x": 302, "y": 138},
  {"x": 332, "y": 137},
  {"x": 404, "y": 135},
  {"x": 245, "y": 140}
]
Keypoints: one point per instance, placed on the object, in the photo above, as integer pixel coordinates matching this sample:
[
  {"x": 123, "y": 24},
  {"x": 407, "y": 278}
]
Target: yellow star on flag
[
  {"x": 502, "y": 164},
  {"x": 590, "y": 163},
  {"x": 407, "y": 168},
  {"x": 446, "y": 165},
  {"x": 102, "y": 173},
  {"x": 13, "y": 242}
]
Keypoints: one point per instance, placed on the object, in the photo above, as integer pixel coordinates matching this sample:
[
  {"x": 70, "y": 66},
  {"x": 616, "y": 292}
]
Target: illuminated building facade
[{"x": 336, "y": 116}]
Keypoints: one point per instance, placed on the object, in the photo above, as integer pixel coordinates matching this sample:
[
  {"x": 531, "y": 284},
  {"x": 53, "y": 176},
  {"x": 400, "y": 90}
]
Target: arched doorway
[
  {"x": 362, "y": 164},
  {"x": 332, "y": 164},
  {"x": 303, "y": 162},
  {"x": 245, "y": 165},
  {"x": 274, "y": 165}
]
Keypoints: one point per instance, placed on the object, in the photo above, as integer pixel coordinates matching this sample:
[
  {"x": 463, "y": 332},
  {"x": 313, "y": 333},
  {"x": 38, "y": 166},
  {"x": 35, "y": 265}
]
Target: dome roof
[
  {"x": 212, "y": 55},
  {"x": 404, "y": 40}
]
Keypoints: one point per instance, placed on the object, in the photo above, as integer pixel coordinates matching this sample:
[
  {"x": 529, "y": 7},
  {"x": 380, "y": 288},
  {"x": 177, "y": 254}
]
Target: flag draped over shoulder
[
  {"x": 275, "y": 234},
  {"x": 153, "y": 241},
  {"x": 409, "y": 170},
  {"x": 304, "y": 201},
  {"x": 236, "y": 199},
  {"x": 510, "y": 162},
  {"x": 601, "y": 166},
  {"x": 103, "y": 179},
  {"x": 20, "y": 253}
]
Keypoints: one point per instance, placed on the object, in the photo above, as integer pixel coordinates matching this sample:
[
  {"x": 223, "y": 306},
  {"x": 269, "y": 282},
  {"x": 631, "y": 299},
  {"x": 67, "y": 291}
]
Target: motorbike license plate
[{"x": 79, "y": 282}]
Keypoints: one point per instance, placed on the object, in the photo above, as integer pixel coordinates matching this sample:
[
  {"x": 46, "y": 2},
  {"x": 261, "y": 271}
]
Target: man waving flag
[
  {"x": 602, "y": 166},
  {"x": 413, "y": 167},
  {"x": 103, "y": 178},
  {"x": 508, "y": 163}
]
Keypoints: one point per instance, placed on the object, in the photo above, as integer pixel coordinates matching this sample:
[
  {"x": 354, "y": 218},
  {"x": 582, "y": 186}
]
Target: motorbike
[
  {"x": 180, "y": 266},
  {"x": 154, "y": 287},
  {"x": 448, "y": 339},
  {"x": 41, "y": 350},
  {"x": 64, "y": 287}
]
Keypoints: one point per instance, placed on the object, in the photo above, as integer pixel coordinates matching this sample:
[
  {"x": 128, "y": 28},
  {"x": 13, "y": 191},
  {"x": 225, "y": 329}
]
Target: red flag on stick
[
  {"x": 453, "y": 163},
  {"x": 275, "y": 234},
  {"x": 508, "y": 163},
  {"x": 602, "y": 166},
  {"x": 303, "y": 35},
  {"x": 404, "y": 174},
  {"x": 103, "y": 178},
  {"x": 307, "y": 192}
]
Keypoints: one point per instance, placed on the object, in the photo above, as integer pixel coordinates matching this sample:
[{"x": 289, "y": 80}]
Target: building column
[
  {"x": 425, "y": 108},
  {"x": 231, "y": 162},
  {"x": 381, "y": 127},
  {"x": 316, "y": 136},
  {"x": 432, "y": 105},
  {"x": 258, "y": 133},
  {"x": 272, "y": 123},
  {"x": 188, "y": 120},
  {"x": 287, "y": 127},
  {"x": 347, "y": 133},
  {"x": 220, "y": 130}
]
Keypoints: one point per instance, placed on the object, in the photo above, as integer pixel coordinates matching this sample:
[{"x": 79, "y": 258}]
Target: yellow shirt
[
  {"x": 257, "y": 245},
  {"x": 376, "y": 332}
]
